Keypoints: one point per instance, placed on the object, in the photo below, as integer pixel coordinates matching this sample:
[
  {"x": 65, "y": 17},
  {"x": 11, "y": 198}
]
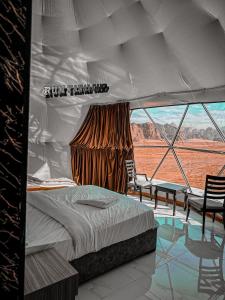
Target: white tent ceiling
[
  {"x": 139, "y": 48},
  {"x": 150, "y": 52}
]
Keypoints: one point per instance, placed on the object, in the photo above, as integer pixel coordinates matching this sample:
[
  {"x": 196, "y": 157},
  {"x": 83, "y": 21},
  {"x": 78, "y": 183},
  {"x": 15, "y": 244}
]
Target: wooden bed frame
[
  {"x": 97, "y": 263},
  {"x": 44, "y": 188}
]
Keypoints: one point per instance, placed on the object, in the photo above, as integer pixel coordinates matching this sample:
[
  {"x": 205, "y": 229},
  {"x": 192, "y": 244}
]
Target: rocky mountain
[
  {"x": 149, "y": 131},
  {"x": 144, "y": 131}
]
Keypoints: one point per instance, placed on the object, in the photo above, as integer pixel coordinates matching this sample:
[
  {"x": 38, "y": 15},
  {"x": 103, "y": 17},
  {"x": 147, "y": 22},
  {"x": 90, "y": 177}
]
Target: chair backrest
[
  {"x": 214, "y": 189},
  {"x": 131, "y": 170}
]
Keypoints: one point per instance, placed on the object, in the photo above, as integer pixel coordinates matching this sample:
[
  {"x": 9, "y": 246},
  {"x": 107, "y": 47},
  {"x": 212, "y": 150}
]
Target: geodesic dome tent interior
[{"x": 151, "y": 53}]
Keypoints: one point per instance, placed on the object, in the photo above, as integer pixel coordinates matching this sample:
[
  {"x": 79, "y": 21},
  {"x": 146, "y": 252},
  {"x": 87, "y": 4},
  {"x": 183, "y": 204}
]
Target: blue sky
[{"x": 196, "y": 115}]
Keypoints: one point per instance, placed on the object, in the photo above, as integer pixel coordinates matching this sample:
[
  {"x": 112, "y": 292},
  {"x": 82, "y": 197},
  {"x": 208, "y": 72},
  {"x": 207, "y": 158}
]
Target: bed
[{"x": 94, "y": 240}]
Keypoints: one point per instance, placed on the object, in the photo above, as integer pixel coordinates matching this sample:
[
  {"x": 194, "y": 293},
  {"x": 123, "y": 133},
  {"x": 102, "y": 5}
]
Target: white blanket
[
  {"x": 92, "y": 228},
  {"x": 43, "y": 232}
]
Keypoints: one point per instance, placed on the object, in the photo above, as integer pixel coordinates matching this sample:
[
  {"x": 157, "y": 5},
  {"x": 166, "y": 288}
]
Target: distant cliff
[{"x": 149, "y": 131}]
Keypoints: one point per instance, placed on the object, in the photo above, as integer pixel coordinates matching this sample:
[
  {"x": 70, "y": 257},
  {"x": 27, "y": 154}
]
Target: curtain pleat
[{"x": 100, "y": 148}]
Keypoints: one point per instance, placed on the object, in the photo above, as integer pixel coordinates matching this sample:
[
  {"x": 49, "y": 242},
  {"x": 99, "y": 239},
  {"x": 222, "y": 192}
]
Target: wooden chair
[
  {"x": 134, "y": 182},
  {"x": 213, "y": 200}
]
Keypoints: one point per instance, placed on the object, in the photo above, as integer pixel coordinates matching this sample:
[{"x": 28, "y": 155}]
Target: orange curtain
[{"x": 100, "y": 148}]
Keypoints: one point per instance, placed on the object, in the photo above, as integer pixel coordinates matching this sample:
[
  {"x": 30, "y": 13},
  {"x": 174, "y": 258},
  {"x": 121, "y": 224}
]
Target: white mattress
[{"x": 89, "y": 228}]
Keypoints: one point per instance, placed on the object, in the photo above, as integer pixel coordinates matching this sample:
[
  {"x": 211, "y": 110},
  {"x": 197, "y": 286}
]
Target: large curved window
[{"x": 180, "y": 144}]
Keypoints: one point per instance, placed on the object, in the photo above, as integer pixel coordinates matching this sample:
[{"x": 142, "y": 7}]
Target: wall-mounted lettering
[{"x": 74, "y": 90}]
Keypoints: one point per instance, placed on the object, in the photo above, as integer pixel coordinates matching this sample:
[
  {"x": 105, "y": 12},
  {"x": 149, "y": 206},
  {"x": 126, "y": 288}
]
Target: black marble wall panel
[{"x": 15, "y": 23}]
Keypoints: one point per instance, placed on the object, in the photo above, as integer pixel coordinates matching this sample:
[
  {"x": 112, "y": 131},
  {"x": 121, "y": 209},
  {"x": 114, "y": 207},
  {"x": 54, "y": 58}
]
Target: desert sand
[{"x": 195, "y": 164}]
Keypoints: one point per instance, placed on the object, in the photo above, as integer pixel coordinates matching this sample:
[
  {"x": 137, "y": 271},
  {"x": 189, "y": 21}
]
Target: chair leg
[
  {"x": 185, "y": 201},
  {"x": 203, "y": 222},
  {"x": 214, "y": 215},
  {"x": 150, "y": 191},
  {"x": 224, "y": 219},
  {"x": 156, "y": 198},
  {"x": 174, "y": 204},
  {"x": 188, "y": 212},
  {"x": 140, "y": 194}
]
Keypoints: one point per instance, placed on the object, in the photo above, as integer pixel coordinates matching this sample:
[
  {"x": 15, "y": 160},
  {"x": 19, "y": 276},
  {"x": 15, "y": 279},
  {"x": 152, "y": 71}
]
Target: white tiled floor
[{"x": 178, "y": 269}]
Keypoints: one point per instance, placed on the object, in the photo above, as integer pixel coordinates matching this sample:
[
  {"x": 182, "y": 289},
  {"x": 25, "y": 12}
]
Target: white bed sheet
[
  {"x": 91, "y": 228},
  {"x": 44, "y": 232}
]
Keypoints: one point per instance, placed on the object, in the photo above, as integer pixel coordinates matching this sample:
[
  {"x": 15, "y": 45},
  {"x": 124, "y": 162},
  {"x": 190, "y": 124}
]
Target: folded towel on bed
[{"x": 100, "y": 203}]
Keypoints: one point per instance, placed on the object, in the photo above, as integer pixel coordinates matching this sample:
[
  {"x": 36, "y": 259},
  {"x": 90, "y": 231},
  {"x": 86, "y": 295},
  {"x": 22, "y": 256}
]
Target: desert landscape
[{"x": 195, "y": 164}]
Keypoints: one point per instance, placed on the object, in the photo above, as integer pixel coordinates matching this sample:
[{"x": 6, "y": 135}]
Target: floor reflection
[
  {"x": 194, "y": 266},
  {"x": 185, "y": 265},
  {"x": 209, "y": 250}
]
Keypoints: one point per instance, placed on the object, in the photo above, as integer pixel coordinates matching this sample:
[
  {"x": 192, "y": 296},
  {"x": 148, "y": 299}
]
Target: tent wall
[{"x": 50, "y": 132}]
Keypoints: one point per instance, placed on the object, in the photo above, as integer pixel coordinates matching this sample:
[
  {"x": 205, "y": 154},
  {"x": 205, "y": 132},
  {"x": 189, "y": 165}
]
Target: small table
[
  {"x": 49, "y": 276},
  {"x": 170, "y": 188}
]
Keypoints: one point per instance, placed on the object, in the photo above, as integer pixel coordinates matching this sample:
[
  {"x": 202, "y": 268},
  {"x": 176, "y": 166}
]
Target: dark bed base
[{"x": 96, "y": 263}]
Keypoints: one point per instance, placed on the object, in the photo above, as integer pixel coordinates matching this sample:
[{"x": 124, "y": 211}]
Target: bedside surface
[{"x": 46, "y": 268}]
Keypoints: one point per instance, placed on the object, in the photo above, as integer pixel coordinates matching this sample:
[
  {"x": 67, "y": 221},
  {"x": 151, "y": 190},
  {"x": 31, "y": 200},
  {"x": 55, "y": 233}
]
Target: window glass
[
  {"x": 147, "y": 159},
  {"x": 198, "y": 164},
  {"x": 144, "y": 131},
  {"x": 198, "y": 131},
  {"x": 167, "y": 119},
  {"x": 217, "y": 111},
  {"x": 169, "y": 170}
]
